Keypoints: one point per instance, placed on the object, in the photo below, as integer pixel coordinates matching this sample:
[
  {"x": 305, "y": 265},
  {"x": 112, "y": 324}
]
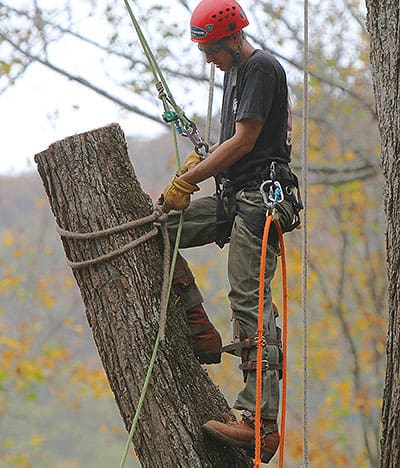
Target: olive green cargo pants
[{"x": 243, "y": 274}]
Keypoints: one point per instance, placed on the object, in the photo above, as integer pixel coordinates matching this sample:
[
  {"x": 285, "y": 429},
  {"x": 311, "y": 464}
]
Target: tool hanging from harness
[{"x": 276, "y": 175}]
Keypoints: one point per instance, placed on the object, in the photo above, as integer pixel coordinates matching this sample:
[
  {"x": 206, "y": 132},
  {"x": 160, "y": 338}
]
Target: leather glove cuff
[
  {"x": 191, "y": 161},
  {"x": 184, "y": 186}
]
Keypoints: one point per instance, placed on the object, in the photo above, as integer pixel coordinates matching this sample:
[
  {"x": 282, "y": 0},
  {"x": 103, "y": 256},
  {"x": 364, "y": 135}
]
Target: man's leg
[
  {"x": 198, "y": 229},
  {"x": 243, "y": 271}
]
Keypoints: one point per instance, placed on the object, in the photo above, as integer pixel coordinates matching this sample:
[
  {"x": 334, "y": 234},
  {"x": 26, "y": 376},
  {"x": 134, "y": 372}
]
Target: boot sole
[{"x": 209, "y": 358}]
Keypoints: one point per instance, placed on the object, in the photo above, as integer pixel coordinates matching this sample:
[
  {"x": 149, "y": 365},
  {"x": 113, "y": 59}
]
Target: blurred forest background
[{"x": 56, "y": 409}]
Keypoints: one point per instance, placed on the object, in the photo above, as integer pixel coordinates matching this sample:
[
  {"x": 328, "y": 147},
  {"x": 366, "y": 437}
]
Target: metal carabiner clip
[{"x": 271, "y": 192}]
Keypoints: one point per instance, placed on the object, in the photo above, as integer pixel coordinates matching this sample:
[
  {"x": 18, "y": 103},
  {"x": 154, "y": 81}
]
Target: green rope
[
  {"x": 166, "y": 100},
  {"x": 154, "y": 354},
  {"x": 157, "y": 73}
]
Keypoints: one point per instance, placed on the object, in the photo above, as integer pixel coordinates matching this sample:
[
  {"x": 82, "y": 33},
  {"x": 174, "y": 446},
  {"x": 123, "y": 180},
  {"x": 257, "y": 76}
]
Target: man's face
[{"x": 216, "y": 52}]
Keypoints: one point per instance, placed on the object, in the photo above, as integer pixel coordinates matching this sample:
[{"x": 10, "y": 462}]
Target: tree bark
[
  {"x": 91, "y": 186},
  {"x": 384, "y": 27}
]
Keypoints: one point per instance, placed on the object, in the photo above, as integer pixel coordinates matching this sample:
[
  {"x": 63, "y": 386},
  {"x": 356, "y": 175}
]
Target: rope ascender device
[{"x": 173, "y": 114}]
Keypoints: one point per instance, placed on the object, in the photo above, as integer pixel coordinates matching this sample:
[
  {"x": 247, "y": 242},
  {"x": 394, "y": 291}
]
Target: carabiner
[{"x": 271, "y": 192}]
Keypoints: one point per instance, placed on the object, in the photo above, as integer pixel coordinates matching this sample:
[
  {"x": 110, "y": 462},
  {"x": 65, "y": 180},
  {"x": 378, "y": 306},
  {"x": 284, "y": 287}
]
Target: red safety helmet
[{"x": 213, "y": 20}]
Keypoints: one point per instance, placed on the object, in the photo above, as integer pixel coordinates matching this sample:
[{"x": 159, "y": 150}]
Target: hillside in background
[{"x": 56, "y": 410}]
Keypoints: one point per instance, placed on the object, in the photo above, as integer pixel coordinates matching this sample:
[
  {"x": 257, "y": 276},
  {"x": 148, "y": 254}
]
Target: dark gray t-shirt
[{"x": 260, "y": 93}]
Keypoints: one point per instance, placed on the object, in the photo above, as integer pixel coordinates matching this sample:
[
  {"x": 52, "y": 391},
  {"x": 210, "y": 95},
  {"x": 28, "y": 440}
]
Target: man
[{"x": 254, "y": 146}]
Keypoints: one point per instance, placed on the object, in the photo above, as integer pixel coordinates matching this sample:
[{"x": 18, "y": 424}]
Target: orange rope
[
  {"x": 261, "y": 343},
  {"x": 284, "y": 343}
]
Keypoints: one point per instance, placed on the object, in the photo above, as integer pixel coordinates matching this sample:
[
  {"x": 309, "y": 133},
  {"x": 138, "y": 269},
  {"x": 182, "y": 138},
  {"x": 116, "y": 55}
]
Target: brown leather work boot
[
  {"x": 207, "y": 343},
  {"x": 242, "y": 434}
]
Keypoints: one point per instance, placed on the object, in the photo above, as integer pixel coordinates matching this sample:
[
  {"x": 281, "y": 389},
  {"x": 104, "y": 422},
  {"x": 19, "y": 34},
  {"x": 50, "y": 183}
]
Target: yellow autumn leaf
[
  {"x": 67, "y": 322},
  {"x": 40, "y": 202},
  {"x": 48, "y": 301},
  {"x": 116, "y": 429},
  {"x": 18, "y": 253},
  {"x": 37, "y": 440},
  {"x": 21, "y": 293},
  {"x": 68, "y": 283},
  {"x": 79, "y": 330},
  {"x": 103, "y": 429},
  {"x": 8, "y": 239},
  {"x": 10, "y": 342},
  {"x": 7, "y": 443}
]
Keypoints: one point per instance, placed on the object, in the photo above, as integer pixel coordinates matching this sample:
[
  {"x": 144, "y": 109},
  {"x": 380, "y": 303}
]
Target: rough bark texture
[
  {"x": 91, "y": 186},
  {"x": 384, "y": 28}
]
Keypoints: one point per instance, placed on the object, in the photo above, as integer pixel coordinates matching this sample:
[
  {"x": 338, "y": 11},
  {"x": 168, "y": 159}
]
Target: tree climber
[{"x": 254, "y": 146}]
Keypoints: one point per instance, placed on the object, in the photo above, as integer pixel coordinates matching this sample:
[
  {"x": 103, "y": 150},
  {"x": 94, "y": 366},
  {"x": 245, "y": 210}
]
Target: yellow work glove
[
  {"x": 176, "y": 196},
  {"x": 192, "y": 159}
]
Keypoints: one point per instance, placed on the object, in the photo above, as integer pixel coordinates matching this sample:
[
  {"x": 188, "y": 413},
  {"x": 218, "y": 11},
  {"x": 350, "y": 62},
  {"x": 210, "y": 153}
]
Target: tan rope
[
  {"x": 167, "y": 280},
  {"x": 159, "y": 215},
  {"x": 113, "y": 253},
  {"x": 156, "y": 215}
]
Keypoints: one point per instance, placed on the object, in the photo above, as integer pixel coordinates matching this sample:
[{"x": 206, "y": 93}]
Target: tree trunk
[
  {"x": 91, "y": 186},
  {"x": 384, "y": 28}
]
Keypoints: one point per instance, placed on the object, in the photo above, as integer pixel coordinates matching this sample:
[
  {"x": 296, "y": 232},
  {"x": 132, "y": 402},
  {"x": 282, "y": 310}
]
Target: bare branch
[
  {"x": 356, "y": 16},
  {"x": 317, "y": 76},
  {"x": 338, "y": 174},
  {"x": 84, "y": 82}
]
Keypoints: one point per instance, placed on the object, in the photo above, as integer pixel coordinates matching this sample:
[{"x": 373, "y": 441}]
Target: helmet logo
[
  {"x": 231, "y": 26},
  {"x": 197, "y": 33},
  {"x": 209, "y": 27}
]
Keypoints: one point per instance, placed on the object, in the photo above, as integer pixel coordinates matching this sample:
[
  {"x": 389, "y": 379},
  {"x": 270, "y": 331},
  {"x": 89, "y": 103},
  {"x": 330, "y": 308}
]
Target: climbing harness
[{"x": 275, "y": 174}]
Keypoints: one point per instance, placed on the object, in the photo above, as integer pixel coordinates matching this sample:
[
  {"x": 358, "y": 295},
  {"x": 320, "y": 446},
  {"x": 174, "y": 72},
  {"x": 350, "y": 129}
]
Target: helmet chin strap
[{"x": 236, "y": 53}]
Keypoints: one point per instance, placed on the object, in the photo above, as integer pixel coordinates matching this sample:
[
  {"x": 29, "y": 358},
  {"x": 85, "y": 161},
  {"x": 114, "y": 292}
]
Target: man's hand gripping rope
[{"x": 176, "y": 195}]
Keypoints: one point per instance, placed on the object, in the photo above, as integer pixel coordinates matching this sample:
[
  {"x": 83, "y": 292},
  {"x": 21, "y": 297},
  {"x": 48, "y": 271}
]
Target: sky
[{"x": 44, "y": 107}]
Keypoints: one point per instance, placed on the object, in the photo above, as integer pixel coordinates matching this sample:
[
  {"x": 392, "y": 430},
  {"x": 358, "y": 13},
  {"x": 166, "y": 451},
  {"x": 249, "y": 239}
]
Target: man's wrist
[{"x": 188, "y": 177}]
